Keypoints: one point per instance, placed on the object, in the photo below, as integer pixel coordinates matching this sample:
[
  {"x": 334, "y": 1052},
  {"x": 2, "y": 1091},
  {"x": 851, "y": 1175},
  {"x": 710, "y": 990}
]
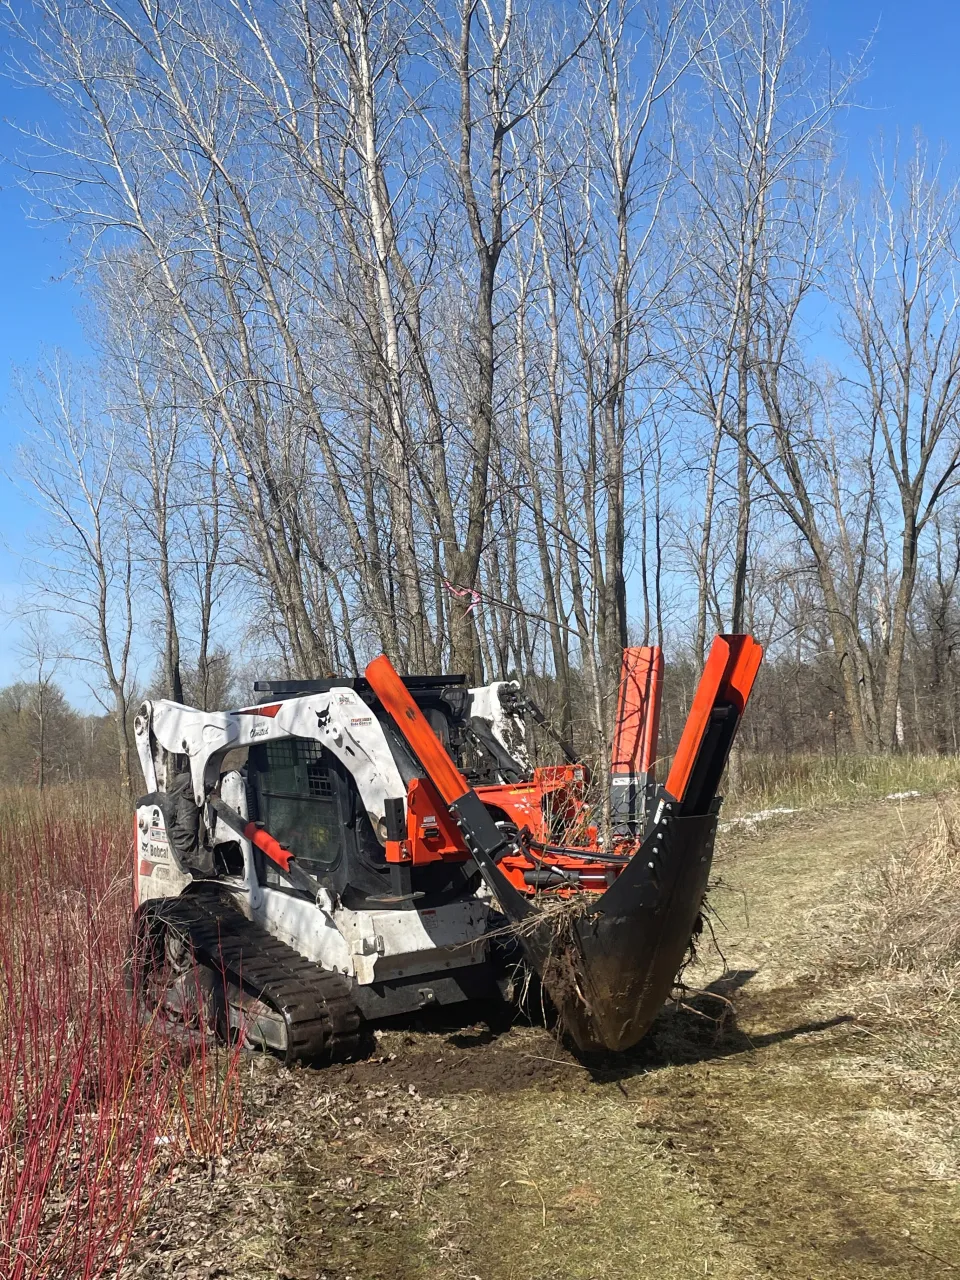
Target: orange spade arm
[
  {"x": 724, "y": 688},
  {"x": 481, "y": 834},
  {"x": 415, "y": 727},
  {"x": 638, "y": 711}
]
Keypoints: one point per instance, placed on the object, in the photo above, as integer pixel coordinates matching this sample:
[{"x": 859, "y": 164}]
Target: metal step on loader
[{"x": 351, "y": 849}]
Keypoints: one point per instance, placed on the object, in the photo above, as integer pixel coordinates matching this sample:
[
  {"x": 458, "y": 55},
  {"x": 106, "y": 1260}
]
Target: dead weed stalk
[{"x": 912, "y": 917}]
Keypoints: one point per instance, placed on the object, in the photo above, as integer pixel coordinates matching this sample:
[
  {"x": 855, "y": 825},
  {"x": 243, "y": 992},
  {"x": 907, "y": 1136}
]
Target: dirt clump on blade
[
  {"x": 549, "y": 931},
  {"x": 554, "y": 914}
]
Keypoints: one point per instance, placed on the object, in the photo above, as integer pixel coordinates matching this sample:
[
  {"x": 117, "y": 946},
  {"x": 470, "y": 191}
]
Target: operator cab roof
[{"x": 278, "y": 690}]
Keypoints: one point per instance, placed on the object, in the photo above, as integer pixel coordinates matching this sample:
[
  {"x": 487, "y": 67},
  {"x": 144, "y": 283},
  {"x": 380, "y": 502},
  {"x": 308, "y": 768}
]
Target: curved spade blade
[{"x": 610, "y": 970}]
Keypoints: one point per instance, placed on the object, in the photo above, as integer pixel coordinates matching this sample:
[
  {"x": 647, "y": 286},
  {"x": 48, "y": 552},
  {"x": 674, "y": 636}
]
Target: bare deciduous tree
[
  {"x": 85, "y": 567},
  {"x": 902, "y": 326}
]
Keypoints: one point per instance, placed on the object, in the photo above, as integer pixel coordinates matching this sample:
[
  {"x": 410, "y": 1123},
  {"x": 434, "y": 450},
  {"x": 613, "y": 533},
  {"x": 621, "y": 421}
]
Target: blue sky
[
  {"x": 911, "y": 82},
  {"x": 39, "y": 306},
  {"x": 911, "y": 64}
]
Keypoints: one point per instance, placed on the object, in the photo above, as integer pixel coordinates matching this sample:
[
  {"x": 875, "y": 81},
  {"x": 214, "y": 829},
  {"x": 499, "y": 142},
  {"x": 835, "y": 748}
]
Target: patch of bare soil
[
  {"x": 443, "y": 1057},
  {"x": 789, "y": 1119}
]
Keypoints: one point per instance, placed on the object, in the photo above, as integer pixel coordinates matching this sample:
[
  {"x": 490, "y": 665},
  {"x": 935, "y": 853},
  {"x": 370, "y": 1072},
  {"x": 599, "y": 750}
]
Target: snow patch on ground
[{"x": 752, "y": 819}]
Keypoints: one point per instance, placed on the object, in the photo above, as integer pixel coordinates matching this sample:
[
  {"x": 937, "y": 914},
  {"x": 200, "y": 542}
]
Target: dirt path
[{"x": 811, "y": 1136}]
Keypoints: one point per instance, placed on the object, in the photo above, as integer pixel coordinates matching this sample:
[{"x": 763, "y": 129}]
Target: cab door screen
[{"x": 298, "y": 802}]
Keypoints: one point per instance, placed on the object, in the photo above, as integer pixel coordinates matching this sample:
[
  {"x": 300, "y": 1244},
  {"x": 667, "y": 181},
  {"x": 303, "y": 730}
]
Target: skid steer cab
[{"x": 347, "y": 850}]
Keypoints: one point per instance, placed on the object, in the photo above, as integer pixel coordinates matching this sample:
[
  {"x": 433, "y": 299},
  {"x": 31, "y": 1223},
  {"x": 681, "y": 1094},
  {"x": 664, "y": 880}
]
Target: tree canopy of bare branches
[{"x": 489, "y": 335}]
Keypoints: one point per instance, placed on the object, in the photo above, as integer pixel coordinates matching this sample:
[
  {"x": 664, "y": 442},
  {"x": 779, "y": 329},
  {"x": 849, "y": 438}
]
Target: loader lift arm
[
  {"x": 257, "y": 834},
  {"x": 611, "y": 966}
]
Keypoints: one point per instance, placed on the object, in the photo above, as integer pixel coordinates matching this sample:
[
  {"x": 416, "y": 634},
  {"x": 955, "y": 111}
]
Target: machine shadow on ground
[{"x": 701, "y": 1026}]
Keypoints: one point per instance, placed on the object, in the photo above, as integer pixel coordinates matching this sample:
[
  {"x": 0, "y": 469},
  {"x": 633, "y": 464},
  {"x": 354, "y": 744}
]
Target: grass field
[
  {"x": 812, "y": 781},
  {"x": 795, "y": 1116}
]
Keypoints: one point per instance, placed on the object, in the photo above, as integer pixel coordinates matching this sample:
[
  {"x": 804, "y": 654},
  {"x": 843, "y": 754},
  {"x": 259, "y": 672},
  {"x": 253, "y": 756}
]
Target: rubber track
[{"x": 323, "y": 1023}]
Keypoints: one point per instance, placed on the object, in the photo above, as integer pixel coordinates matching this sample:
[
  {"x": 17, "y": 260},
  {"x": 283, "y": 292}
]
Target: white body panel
[
  {"x": 157, "y": 874},
  {"x": 340, "y": 720},
  {"x": 509, "y": 730},
  {"x": 305, "y": 926},
  {"x": 396, "y": 944},
  {"x": 379, "y": 945}
]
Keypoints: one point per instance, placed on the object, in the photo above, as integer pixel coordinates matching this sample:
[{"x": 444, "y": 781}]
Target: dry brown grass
[
  {"x": 799, "y": 781},
  {"x": 912, "y": 915},
  {"x": 814, "y": 1135}
]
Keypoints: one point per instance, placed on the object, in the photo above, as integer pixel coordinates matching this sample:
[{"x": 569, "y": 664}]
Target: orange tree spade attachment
[{"x": 609, "y": 961}]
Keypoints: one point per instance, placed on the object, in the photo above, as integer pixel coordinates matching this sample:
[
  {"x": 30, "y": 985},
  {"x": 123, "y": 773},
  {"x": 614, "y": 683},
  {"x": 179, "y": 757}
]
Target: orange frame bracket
[{"x": 634, "y": 757}]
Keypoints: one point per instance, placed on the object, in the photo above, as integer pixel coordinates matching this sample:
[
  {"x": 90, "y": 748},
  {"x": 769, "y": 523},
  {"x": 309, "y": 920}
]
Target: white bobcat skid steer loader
[
  {"x": 236, "y": 937},
  {"x": 348, "y": 849}
]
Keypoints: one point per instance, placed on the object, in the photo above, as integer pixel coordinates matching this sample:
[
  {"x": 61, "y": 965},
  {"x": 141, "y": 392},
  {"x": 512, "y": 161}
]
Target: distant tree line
[
  {"x": 797, "y": 708},
  {"x": 493, "y": 337},
  {"x": 45, "y": 742}
]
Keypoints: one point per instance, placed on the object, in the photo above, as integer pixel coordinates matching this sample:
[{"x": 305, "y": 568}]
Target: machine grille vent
[
  {"x": 305, "y": 761},
  {"x": 318, "y": 780}
]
